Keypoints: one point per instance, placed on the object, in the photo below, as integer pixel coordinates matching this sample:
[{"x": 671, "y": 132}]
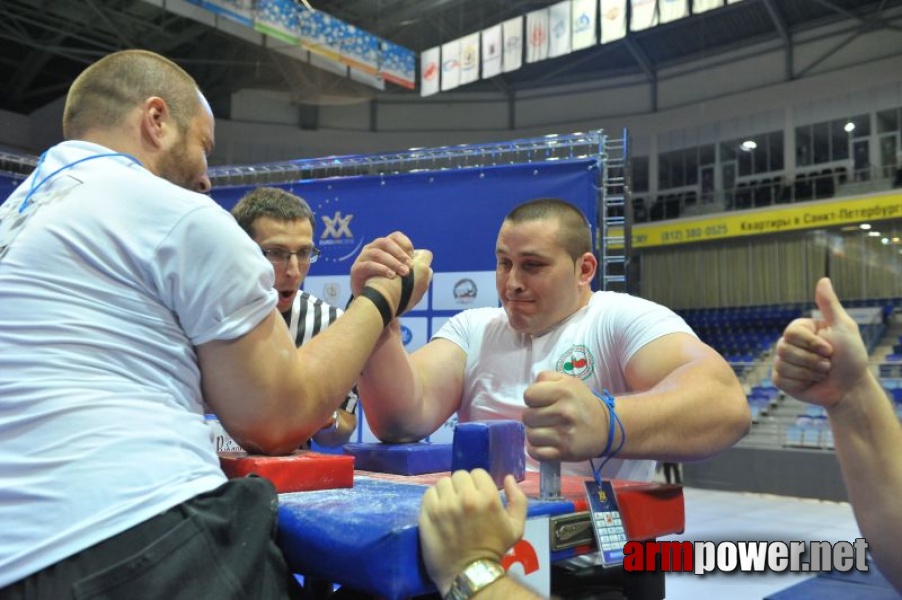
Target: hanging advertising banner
[
  {"x": 643, "y": 14},
  {"x": 512, "y": 53},
  {"x": 559, "y": 29},
  {"x": 794, "y": 217},
  {"x": 583, "y": 24},
  {"x": 537, "y": 35},
  {"x": 491, "y": 51},
  {"x": 672, "y": 10},
  {"x": 430, "y": 71},
  {"x": 612, "y": 20},
  {"x": 399, "y": 65},
  {"x": 700, "y": 6},
  {"x": 469, "y": 58},
  {"x": 450, "y": 65},
  {"x": 278, "y": 19}
]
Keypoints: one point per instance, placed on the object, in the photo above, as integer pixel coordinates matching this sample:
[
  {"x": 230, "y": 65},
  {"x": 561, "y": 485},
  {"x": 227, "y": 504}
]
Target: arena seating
[{"x": 746, "y": 337}]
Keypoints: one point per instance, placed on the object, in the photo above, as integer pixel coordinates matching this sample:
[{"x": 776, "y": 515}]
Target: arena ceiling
[{"x": 45, "y": 43}]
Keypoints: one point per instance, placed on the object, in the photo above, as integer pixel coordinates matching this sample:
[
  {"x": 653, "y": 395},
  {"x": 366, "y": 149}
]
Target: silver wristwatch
[{"x": 475, "y": 576}]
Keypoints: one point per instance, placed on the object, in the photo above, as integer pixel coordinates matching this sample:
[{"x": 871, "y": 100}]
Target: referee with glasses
[{"x": 282, "y": 224}]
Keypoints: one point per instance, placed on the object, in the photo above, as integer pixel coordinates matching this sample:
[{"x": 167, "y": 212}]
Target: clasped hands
[{"x": 383, "y": 263}]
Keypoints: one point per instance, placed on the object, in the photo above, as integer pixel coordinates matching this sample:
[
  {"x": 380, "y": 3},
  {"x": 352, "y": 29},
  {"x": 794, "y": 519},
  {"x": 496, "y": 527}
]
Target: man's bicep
[{"x": 656, "y": 360}]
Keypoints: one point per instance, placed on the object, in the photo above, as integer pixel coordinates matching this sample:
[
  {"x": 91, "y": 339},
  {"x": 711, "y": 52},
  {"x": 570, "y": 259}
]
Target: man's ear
[
  {"x": 155, "y": 121},
  {"x": 587, "y": 264}
]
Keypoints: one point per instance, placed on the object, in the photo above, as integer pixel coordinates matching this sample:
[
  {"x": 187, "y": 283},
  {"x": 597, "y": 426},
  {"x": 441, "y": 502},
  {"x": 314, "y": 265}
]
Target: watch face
[{"x": 474, "y": 577}]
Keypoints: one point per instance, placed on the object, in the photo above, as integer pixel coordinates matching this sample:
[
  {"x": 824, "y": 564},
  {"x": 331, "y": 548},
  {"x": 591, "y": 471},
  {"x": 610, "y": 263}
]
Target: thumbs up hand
[{"x": 820, "y": 360}]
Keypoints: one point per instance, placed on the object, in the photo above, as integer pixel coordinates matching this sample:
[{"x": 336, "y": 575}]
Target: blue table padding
[
  {"x": 365, "y": 537},
  {"x": 496, "y": 446},
  {"x": 401, "y": 459}
]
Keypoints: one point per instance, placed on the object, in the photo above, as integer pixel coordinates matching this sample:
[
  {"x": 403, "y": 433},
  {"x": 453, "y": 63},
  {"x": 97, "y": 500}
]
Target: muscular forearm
[
  {"x": 868, "y": 441},
  {"x": 292, "y": 391},
  {"x": 391, "y": 393}
]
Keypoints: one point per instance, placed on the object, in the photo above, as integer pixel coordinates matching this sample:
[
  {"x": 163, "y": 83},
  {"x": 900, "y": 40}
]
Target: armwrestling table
[{"x": 365, "y": 537}]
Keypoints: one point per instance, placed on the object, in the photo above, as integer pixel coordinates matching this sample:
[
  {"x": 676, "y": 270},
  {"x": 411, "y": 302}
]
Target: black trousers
[{"x": 217, "y": 545}]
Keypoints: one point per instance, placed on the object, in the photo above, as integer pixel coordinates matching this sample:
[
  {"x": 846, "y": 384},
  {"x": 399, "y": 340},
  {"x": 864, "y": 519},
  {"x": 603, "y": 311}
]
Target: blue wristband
[
  {"x": 608, "y": 400},
  {"x": 614, "y": 422}
]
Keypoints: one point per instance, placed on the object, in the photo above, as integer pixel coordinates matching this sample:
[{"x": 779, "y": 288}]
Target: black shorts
[{"x": 220, "y": 544}]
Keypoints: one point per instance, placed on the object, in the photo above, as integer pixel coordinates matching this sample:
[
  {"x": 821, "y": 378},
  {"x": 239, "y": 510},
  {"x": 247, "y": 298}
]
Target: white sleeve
[
  {"x": 644, "y": 321},
  {"x": 214, "y": 277}
]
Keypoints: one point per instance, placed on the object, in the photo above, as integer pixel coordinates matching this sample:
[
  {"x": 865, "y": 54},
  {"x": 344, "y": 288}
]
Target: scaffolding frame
[{"x": 613, "y": 245}]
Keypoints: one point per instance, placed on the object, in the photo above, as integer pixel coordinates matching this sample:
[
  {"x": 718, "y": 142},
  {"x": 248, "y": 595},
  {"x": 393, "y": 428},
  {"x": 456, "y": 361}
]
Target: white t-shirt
[
  {"x": 104, "y": 296},
  {"x": 594, "y": 344}
]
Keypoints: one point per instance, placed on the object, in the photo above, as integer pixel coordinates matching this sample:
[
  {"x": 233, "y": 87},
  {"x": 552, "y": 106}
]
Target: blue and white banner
[
  {"x": 583, "y": 24},
  {"x": 399, "y": 65},
  {"x": 278, "y": 19},
  {"x": 464, "y": 289},
  {"x": 559, "y": 29}
]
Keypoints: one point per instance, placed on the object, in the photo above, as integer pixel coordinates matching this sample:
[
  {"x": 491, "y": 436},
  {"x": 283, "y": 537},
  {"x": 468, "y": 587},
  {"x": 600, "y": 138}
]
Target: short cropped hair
[
  {"x": 574, "y": 235},
  {"x": 110, "y": 88},
  {"x": 272, "y": 202}
]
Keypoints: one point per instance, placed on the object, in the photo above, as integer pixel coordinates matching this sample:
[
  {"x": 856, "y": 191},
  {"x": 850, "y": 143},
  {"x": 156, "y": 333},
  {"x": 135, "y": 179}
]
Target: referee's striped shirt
[{"x": 309, "y": 316}]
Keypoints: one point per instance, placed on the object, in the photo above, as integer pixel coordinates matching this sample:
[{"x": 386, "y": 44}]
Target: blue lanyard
[{"x": 35, "y": 185}]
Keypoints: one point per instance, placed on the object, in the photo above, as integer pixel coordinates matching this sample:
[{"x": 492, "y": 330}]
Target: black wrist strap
[
  {"x": 380, "y": 302},
  {"x": 406, "y": 291}
]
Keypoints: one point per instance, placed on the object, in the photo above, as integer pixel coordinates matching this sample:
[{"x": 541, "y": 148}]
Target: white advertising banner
[
  {"x": 450, "y": 65},
  {"x": 430, "y": 69},
  {"x": 537, "y": 35},
  {"x": 512, "y": 30},
  {"x": 469, "y": 58},
  {"x": 643, "y": 14},
  {"x": 583, "y": 19},
  {"x": 559, "y": 29},
  {"x": 672, "y": 10},
  {"x": 491, "y": 51},
  {"x": 700, "y": 6},
  {"x": 612, "y": 17}
]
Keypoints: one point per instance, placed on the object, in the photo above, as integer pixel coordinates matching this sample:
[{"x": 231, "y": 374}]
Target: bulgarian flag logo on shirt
[{"x": 576, "y": 362}]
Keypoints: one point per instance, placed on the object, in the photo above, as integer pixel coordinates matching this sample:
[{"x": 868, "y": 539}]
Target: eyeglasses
[{"x": 280, "y": 257}]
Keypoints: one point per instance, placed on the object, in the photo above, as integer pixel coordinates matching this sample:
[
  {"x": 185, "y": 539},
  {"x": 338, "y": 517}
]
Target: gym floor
[{"x": 716, "y": 516}]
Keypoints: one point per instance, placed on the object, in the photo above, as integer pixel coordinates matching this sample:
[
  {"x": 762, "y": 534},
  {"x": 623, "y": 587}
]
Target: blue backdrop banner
[{"x": 454, "y": 213}]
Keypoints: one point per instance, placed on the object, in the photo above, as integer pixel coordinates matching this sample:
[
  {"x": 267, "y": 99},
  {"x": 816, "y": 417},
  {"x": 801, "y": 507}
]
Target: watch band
[{"x": 475, "y": 576}]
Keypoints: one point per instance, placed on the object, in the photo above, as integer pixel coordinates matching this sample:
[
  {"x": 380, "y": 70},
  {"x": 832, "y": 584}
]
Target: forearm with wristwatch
[{"x": 486, "y": 579}]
